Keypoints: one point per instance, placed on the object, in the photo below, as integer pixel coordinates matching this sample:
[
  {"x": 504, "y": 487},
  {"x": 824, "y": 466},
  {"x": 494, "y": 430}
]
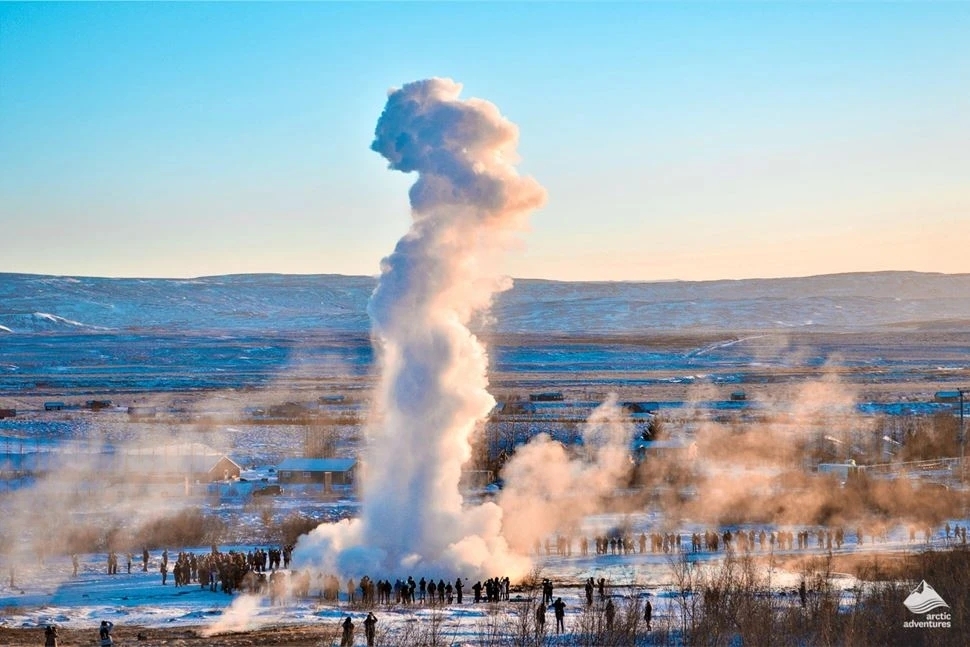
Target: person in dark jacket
[
  {"x": 370, "y": 624},
  {"x": 104, "y": 633},
  {"x": 560, "y": 608},
  {"x": 347, "y": 639}
]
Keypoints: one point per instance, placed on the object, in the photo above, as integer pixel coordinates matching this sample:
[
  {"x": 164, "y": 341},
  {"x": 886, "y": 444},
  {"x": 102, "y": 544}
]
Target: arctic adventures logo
[{"x": 922, "y": 600}]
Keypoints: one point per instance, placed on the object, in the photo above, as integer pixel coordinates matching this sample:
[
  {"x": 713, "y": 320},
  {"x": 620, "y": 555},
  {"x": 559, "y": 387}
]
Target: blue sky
[{"x": 682, "y": 140}]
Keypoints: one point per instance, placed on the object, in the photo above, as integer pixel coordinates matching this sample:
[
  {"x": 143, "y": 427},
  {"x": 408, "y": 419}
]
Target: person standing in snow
[
  {"x": 347, "y": 639},
  {"x": 370, "y": 624},
  {"x": 104, "y": 633},
  {"x": 560, "y": 608},
  {"x": 50, "y": 636}
]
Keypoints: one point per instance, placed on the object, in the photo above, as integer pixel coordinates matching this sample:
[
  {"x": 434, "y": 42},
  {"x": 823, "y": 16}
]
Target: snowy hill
[{"x": 337, "y": 304}]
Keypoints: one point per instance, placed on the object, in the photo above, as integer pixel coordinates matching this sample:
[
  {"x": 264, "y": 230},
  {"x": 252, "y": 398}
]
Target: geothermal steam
[
  {"x": 548, "y": 490},
  {"x": 467, "y": 205}
]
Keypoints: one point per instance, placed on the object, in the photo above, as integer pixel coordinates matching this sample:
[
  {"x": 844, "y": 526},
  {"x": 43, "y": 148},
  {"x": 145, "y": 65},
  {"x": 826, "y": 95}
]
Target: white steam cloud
[
  {"x": 468, "y": 204},
  {"x": 550, "y": 490}
]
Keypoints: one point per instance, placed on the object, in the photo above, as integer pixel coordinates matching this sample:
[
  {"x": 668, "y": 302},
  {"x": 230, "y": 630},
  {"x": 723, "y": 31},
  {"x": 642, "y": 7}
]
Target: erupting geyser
[{"x": 467, "y": 204}]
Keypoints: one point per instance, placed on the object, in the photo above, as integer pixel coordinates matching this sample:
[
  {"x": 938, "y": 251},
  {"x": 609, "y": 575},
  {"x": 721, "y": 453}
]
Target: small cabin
[
  {"x": 738, "y": 396},
  {"x": 547, "y": 396},
  {"x": 327, "y": 471},
  {"x": 191, "y": 461},
  {"x": 842, "y": 471},
  {"x": 476, "y": 479},
  {"x": 641, "y": 407},
  {"x": 947, "y": 396},
  {"x": 515, "y": 407},
  {"x": 669, "y": 448},
  {"x": 54, "y": 406},
  {"x": 8, "y": 413}
]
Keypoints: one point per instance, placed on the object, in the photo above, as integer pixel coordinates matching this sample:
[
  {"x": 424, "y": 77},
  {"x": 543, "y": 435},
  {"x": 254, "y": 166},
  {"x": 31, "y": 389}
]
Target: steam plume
[
  {"x": 467, "y": 204},
  {"x": 550, "y": 491}
]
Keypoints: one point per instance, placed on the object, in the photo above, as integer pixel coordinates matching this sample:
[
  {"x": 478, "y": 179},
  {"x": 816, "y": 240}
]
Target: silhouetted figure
[
  {"x": 540, "y": 619},
  {"x": 74, "y": 564},
  {"x": 648, "y": 613},
  {"x": 802, "y": 593},
  {"x": 560, "y": 608},
  {"x": 610, "y": 614},
  {"x": 50, "y": 636},
  {"x": 347, "y": 639},
  {"x": 104, "y": 633},
  {"x": 369, "y": 628},
  {"x": 589, "y": 592}
]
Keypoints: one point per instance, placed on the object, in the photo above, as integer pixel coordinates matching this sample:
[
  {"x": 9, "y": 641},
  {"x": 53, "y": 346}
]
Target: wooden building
[{"x": 330, "y": 472}]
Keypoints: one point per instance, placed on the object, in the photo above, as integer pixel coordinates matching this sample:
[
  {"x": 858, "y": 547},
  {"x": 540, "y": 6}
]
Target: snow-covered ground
[
  {"x": 47, "y": 593},
  {"x": 212, "y": 352}
]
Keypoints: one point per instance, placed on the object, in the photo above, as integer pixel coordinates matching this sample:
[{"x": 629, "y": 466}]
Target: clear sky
[{"x": 687, "y": 140}]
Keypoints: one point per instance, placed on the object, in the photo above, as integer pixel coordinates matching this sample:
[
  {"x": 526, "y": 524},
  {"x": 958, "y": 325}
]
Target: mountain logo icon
[{"x": 924, "y": 599}]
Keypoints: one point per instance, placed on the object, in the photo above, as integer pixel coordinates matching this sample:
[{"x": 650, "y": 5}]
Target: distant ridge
[{"x": 331, "y": 303}]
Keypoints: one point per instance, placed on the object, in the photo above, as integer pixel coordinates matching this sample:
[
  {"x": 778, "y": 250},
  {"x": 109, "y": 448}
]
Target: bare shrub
[
  {"x": 937, "y": 436},
  {"x": 290, "y": 529},
  {"x": 735, "y": 602},
  {"x": 184, "y": 528}
]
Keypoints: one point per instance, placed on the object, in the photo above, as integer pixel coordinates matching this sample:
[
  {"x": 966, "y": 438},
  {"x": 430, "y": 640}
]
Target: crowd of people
[
  {"x": 744, "y": 540},
  {"x": 266, "y": 571},
  {"x": 224, "y": 571}
]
